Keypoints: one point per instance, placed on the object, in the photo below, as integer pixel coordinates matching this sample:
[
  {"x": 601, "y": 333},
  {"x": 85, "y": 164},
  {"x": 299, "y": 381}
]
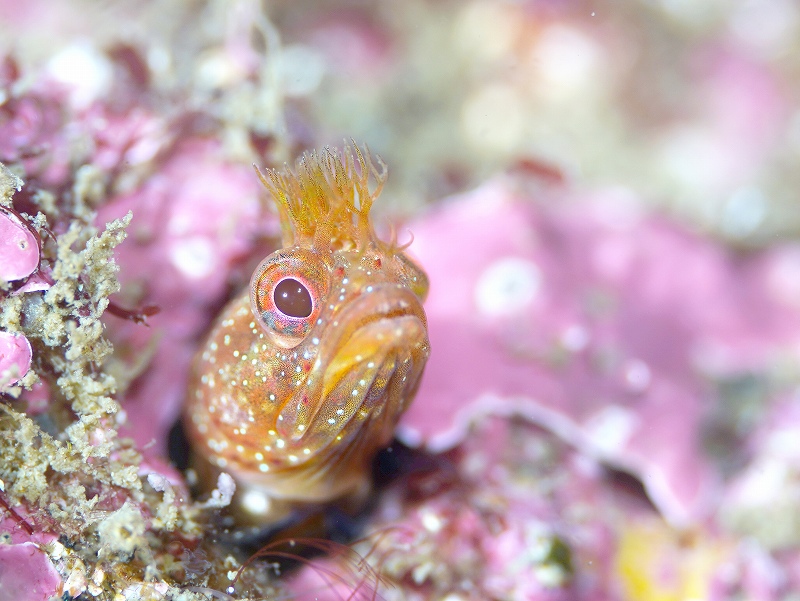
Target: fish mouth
[{"x": 368, "y": 367}]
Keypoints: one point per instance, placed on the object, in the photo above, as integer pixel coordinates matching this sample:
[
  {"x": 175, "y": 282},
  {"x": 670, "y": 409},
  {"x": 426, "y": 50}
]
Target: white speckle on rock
[
  {"x": 744, "y": 212},
  {"x": 507, "y": 286},
  {"x": 575, "y": 338},
  {"x": 611, "y": 428},
  {"x": 194, "y": 257},
  {"x": 301, "y": 70},
  {"x": 158, "y": 482},
  {"x": 256, "y": 502},
  {"x": 84, "y": 70},
  {"x": 637, "y": 375},
  {"x": 221, "y": 496},
  {"x": 431, "y": 521}
]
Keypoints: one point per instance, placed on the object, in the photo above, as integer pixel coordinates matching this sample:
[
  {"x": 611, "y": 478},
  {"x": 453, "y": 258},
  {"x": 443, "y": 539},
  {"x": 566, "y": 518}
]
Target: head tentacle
[{"x": 326, "y": 199}]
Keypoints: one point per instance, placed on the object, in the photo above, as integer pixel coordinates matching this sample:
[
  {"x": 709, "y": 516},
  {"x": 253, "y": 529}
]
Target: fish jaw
[
  {"x": 294, "y": 452},
  {"x": 362, "y": 380}
]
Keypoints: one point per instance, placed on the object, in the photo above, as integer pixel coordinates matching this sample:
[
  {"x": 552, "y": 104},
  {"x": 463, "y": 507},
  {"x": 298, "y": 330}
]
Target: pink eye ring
[{"x": 286, "y": 293}]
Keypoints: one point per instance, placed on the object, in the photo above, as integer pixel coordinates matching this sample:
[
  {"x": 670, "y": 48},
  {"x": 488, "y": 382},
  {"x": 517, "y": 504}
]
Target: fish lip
[
  {"x": 384, "y": 302},
  {"x": 383, "y": 310}
]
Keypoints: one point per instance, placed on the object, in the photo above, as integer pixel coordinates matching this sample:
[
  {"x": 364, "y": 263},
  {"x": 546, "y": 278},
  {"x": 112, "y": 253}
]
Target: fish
[{"x": 304, "y": 375}]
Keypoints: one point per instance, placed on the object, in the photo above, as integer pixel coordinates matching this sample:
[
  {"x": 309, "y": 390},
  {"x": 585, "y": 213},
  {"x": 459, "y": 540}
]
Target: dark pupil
[{"x": 292, "y": 298}]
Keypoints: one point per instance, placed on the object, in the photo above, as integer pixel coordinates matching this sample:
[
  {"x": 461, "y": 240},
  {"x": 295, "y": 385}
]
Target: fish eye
[
  {"x": 287, "y": 291},
  {"x": 292, "y": 298}
]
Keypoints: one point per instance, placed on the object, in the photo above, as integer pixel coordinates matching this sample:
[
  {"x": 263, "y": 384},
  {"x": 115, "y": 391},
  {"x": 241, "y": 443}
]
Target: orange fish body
[{"x": 304, "y": 376}]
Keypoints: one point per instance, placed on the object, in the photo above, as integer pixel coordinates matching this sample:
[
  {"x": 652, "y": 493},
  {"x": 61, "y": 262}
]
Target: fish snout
[
  {"x": 386, "y": 324},
  {"x": 376, "y": 364}
]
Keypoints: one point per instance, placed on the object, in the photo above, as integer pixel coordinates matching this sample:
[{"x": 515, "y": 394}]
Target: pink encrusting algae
[
  {"x": 27, "y": 574},
  {"x": 602, "y": 324},
  {"x": 19, "y": 249},
  {"x": 15, "y": 357},
  {"x": 194, "y": 256},
  {"x": 610, "y": 408},
  {"x": 550, "y": 313}
]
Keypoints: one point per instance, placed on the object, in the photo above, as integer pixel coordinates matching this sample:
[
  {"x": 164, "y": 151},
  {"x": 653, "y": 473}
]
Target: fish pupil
[{"x": 292, "y": 298}]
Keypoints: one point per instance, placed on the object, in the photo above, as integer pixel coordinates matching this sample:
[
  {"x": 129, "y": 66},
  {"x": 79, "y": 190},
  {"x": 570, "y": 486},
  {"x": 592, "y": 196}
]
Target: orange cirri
[{"x": 304, "y": 376}]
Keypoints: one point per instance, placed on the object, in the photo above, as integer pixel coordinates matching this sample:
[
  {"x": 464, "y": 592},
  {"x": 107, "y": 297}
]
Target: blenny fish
[{"x": 304, "y": 376}]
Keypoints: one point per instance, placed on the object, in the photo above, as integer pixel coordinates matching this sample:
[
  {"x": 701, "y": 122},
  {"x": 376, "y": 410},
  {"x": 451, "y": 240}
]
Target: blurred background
[
  {"x": 604, "y": 194},
  {"x": 691, "y": 105}
]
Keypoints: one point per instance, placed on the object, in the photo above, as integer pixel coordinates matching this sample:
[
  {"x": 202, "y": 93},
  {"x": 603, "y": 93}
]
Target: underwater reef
[{"x": 603, "y": 199}]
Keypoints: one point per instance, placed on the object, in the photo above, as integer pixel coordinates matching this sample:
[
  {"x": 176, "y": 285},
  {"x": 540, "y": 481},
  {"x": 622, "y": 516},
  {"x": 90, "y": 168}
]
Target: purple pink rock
[
  {"x": 19, "y": 249},
  {"x": 15, "y": 357}
]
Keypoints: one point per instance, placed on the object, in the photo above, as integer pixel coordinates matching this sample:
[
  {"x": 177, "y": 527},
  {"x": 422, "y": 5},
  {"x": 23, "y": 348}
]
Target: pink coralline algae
[
  {"x": 617, "y": 332},
  {"x": 19, "y": 258},
  {"x": 570, "y": 331},
  {"x": 520, "y": 531},
  {"x": 765, "y": 496},
  {"x": 738, "y": 99},
  {"x": 33, "y": 131},
  {"x": 15, "y": 357},
  {"x": 194, "y": 219},
  {"x": 605, "y": 326},
  {"x": 26, "y": 573},
  {"x": 19, "y": 249}
]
